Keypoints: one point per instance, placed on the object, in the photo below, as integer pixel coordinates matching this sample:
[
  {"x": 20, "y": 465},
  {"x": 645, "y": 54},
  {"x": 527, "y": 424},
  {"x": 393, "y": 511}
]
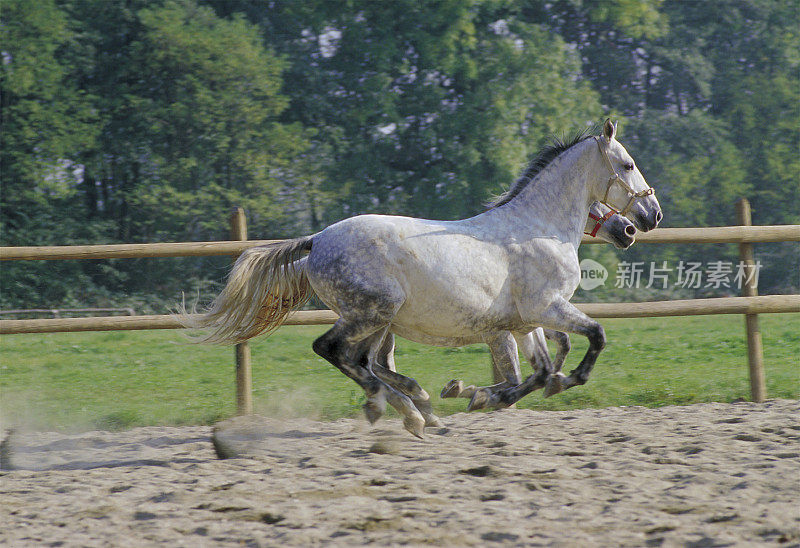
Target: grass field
[{"x": 118, "y": 380}]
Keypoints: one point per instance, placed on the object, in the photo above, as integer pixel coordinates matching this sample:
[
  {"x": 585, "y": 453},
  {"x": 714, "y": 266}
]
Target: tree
[
  {"x": 135, "y": 121},
  {"x": 47, "y": 121},
  {"x": 426, "y": 108},
  {"x": 191, "y": 122}
]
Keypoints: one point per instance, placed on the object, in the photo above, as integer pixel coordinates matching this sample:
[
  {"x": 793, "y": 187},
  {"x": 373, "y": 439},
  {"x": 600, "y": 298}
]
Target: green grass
[{"x": 118, "y": 380}]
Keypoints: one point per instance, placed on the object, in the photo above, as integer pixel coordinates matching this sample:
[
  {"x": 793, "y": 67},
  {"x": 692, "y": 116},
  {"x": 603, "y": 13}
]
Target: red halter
[{"x": 600, "y": 221}]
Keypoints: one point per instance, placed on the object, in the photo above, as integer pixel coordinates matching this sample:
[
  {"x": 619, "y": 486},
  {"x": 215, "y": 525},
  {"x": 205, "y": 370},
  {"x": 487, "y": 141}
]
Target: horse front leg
[
  {"x": 556, "y": 382},
  {"x": 534, "y": 348},
  {"x": 505, "y": 363},
  {"x": 562, "y": 316},
  {"x": 563, "y": 346}
]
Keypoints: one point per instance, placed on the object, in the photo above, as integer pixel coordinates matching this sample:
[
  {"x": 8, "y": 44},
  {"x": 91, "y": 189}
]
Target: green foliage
[
  {"x": 45, "y": 116},
  {"x": 210, "y": 97},
  {"x": 140, "y": 120},
  {"x": 426, "y": 107}
]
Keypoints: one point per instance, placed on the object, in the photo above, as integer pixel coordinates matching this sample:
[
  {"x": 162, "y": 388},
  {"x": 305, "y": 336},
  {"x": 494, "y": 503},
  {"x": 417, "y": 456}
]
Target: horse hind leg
[
  {"x": 351, "y": 347},
  {"x": 385, "y": 355},
  {"x": 408, "y": 386},
  {"x": 384, "y": 368}
]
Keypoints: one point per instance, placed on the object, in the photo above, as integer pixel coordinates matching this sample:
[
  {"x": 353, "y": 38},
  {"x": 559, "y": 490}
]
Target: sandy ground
[{"x": 701, "y": 475}]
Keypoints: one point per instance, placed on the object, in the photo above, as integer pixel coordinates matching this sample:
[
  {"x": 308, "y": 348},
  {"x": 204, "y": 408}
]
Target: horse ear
[{"x": 609, "y": 129}]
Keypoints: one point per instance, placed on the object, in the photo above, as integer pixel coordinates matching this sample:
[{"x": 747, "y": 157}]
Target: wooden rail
[
  {"x": 56, "y": 312},
  {"x": 708, "y": 235}
]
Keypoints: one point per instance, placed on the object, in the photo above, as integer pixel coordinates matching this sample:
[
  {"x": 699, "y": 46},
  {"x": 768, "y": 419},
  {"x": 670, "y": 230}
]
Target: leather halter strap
[
  {"x": 616, "y": 178},
  {"x": 599, "y": 223}
]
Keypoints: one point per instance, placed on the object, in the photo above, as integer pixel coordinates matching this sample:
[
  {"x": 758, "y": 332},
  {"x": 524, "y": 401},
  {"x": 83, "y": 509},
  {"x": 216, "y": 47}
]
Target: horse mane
[{"x": 538, "y": 164}]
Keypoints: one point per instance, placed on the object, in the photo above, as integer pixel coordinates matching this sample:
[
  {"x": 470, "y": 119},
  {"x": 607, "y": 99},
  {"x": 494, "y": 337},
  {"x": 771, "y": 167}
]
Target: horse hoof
[
  {"x": 373, "y": 412},
  {"x": 414, "y": 424},
  {"x": 452, "y": 389},
  {"x": 480, "y": 400},
  {"x": 432, "y": 421},
  {"x": 555, "y": 384}
]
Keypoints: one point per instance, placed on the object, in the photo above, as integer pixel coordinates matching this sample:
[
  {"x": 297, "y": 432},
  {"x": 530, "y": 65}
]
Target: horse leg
[
  {"x": 351, "y": 348},
  {"x": 555, "y": 383},
  {"x": 455, "y": 389},
  {"x": 505, "y": 362},
  {"x": 528, "y": 345},
  {"x": 534, "y": 348},
  {"x": 563, "y": 346},
  {"x": 384, "y": 368},
  {"x": 563, "y": 316},
  {"x": 408, "y": 386},
  {"x": 385, "y": 356}
]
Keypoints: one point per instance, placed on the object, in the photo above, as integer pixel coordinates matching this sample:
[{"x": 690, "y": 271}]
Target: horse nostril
[
  {"x": 659, "y": 216},
  {"x": 630, "y": 230}
]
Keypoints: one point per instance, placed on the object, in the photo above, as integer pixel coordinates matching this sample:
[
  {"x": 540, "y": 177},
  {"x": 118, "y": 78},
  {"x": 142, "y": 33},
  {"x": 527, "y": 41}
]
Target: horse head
[{"x": 625, "y": 191}]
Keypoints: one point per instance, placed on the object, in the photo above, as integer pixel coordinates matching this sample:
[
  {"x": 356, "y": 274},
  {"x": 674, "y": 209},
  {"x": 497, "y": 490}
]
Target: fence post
[
  {"x": 755, "y": 358},
  {"x": 244, "y": 382}
]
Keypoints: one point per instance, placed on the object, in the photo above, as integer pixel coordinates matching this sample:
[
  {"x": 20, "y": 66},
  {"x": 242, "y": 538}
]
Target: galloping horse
[{"x": 509, "y": 270}]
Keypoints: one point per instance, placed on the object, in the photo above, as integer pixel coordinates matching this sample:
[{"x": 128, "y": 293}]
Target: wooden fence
[
  {"x": 749, "y": 304},
  {"x": 57, "y": 312}
]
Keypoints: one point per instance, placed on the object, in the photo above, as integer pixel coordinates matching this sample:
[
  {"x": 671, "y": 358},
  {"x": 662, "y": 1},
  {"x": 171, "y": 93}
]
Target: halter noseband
[
  {"x": 600, "y": 222},
  {"x": 616, "y": 178}
]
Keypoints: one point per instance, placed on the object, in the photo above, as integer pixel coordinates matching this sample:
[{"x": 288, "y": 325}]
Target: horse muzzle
[
  {"x": 646, "y": 215},
  {"x": 626, "y": 239}
]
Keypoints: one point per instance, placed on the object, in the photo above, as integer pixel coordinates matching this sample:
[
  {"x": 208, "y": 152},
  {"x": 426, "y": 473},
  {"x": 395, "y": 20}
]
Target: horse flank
[{"x": 264, "y": 286}]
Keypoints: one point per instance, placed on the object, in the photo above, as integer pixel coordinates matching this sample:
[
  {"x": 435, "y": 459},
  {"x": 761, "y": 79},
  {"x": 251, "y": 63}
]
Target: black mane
[{"x": 537, "y": 165}]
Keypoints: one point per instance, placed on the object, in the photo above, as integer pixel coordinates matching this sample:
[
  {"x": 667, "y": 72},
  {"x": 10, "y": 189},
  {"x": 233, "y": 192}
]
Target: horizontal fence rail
[
  {"x": 56, "y": 312},
  {"x": 764, "y": 304},
  {"x": 707, "y": 235}
]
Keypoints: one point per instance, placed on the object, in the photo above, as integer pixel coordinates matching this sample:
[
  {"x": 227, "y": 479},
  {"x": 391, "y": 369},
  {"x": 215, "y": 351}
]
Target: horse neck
[{"x": 558, "y": 198}]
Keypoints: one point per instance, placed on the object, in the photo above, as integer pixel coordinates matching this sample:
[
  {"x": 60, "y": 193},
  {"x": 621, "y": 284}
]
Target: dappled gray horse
[
  {"x": 508, "y": 270},
  {"x": 603, "y": 223}
]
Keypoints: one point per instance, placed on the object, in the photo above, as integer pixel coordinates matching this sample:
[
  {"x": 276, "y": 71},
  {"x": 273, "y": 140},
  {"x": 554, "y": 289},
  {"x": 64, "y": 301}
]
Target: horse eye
[{"x": 629, "y": 167}]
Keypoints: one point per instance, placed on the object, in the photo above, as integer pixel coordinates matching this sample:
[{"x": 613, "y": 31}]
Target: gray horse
[{"x": 484, "y": 279}]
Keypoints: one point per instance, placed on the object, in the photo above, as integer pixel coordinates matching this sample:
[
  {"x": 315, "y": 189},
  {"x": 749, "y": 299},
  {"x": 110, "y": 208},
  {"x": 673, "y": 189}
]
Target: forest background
[{"x": 148, "y": 120}]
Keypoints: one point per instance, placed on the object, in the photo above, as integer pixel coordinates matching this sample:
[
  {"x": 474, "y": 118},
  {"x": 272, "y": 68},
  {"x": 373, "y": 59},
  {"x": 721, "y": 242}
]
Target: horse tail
[{"x": 266, "y": 283}]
